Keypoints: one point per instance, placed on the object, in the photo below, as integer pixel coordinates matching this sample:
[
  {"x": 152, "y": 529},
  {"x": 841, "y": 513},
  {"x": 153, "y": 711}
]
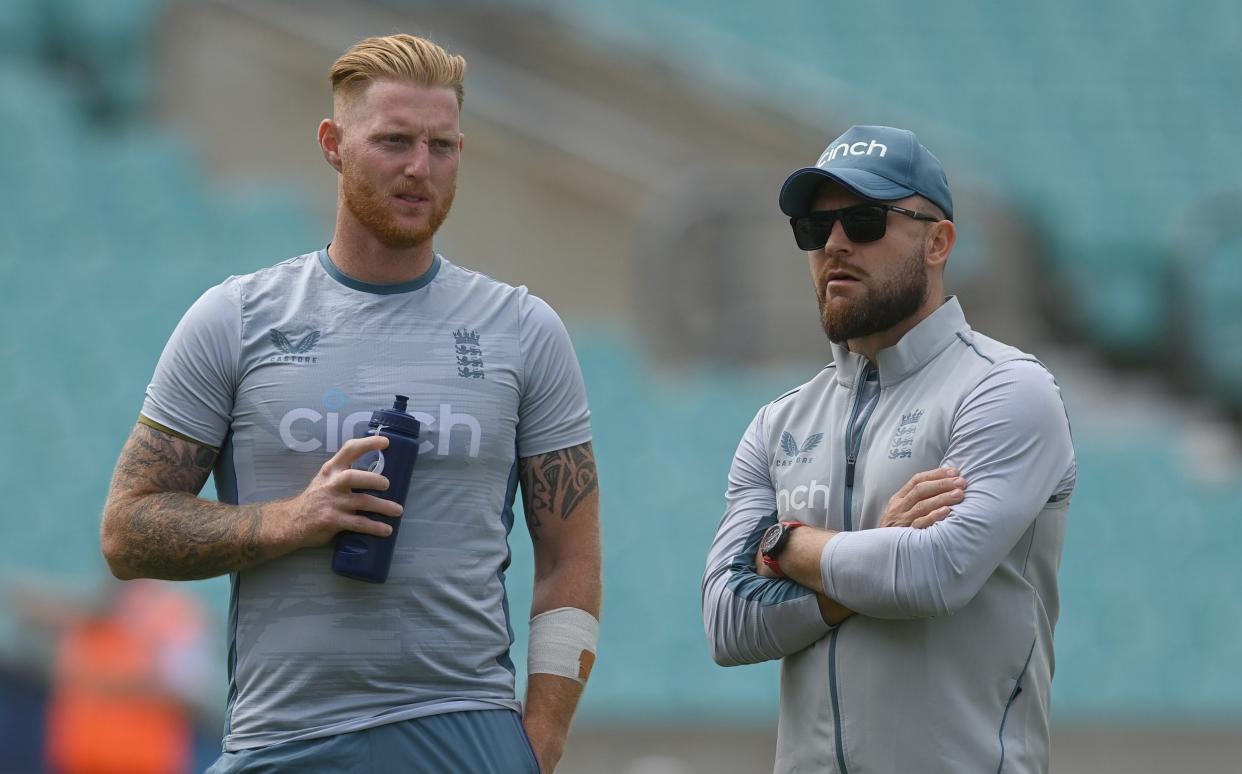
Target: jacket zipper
[
  {"x": 1013, "y": 696},
  {"x": 853, "y": 436},
  {"x": 853, "y": 442}
]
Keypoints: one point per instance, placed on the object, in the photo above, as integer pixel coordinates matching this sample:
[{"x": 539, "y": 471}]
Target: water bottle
[{"x": 367, "y": 557}]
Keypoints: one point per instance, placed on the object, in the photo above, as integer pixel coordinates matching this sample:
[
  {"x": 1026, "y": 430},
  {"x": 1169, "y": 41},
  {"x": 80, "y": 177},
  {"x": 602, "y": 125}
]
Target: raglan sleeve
[
  {"x": 553, "y": 412},
  {"x": 191, "y": 392},
  {"x": 749, "y": 618},
  {"x": 1010, "y": 439}
]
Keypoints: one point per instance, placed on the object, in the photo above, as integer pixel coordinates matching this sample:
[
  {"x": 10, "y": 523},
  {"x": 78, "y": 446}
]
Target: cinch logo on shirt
[
  {"x": 852, "y": 149},
  {"x": 802, "y": 497},
  {"x": 309, "y": 430}
]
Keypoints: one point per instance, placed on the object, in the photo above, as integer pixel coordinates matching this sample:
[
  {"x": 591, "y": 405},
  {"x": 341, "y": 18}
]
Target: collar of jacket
[{"x": 922, "y": 343}]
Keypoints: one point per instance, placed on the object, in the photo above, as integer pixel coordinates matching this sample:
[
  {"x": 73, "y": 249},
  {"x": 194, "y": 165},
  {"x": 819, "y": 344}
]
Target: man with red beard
[
  {"x": 270, "y": 380},
  {"x": 912, "y": 612}
]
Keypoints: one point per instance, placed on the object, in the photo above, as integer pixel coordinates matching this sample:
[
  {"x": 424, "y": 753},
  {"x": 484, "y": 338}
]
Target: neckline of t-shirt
[{"x": 335, "y": 273}]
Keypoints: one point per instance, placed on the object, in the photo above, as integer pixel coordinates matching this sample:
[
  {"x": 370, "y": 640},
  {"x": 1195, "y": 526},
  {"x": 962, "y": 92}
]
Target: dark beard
[
  {"x": 883, "y": 307},
  {"x": 370, "y": 208}
]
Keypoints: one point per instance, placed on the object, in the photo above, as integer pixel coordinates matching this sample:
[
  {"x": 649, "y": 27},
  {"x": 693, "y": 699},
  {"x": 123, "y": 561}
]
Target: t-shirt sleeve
[
  {"x": 553, "y": 413},
  {"x": 191, "y": 392}
]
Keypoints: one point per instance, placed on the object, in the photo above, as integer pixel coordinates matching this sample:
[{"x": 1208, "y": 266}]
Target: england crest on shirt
[{"x": 469, "y": 353}]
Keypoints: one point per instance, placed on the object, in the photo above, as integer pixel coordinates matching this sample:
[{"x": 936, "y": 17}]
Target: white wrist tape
[{"x": 562, "y": 642}]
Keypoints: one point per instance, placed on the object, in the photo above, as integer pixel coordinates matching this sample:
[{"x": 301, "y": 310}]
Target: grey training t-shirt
[{"x": 277, "y": 369}]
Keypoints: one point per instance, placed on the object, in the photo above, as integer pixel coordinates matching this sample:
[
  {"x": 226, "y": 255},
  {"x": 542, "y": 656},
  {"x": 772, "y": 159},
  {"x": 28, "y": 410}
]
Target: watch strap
[
  {"x": 774, "y": 566},
  {"x": 769, "y": 560}
]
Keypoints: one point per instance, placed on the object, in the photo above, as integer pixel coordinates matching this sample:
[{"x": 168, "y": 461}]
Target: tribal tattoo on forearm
[
  {"x": 556, "y": 483},
  {"x": 167, "y": 531}
]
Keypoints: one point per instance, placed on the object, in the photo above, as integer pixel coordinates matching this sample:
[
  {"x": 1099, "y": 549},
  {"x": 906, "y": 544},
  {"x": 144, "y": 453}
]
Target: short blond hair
[{"x": 397, "y": 57}]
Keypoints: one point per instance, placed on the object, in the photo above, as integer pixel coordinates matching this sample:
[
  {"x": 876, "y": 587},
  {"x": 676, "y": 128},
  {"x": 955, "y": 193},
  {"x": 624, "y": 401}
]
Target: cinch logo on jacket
[{"x": 808, "y": 496}]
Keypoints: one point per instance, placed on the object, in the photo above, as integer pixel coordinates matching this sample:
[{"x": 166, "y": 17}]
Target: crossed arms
[{"x": 1010, "y": 440}]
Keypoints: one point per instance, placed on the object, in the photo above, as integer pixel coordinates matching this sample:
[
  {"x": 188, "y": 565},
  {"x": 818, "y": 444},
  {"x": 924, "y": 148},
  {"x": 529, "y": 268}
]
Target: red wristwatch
[{"x": 775, "y": 538}]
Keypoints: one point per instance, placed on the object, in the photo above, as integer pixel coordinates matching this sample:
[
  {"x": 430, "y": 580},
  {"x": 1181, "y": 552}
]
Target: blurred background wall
[{"x": 623, "y": 160}]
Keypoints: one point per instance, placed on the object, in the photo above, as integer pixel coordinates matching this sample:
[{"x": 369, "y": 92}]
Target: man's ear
[
  {"x": 330, "y": 142},
  {"x": 940, "y": 240}
]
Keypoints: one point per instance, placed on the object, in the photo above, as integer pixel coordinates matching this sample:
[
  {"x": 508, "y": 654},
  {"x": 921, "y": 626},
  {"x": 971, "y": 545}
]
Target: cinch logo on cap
[{"x": 860, "y": 148}]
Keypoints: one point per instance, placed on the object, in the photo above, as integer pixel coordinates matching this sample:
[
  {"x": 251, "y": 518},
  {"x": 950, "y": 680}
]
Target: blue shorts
[{"x": 468, "y": 742}]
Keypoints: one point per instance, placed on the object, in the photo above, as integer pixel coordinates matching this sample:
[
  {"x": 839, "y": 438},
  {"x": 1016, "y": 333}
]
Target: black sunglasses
[{"x": 861, "y": 223}]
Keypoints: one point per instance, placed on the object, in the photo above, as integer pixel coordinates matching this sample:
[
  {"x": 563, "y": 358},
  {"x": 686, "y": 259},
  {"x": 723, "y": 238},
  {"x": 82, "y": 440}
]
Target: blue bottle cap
[{"x": 396, "y": 417}]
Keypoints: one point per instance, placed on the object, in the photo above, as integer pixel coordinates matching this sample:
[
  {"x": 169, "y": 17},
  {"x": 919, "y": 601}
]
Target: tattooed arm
[
  {"x": 560, "y": 494},
  {"x": 155, "y": 526}
]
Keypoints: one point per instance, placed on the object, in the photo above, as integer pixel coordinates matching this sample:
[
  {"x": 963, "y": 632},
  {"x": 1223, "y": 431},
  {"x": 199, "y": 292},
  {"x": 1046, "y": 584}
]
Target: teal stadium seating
[
  {"x": 1217, "y": 322},
  {"x": 21, "y": 24},
  {"x": 1209, "y": 282},
  {"x": 111, "y": 43},
  {"x": 1102, "y": 120}
]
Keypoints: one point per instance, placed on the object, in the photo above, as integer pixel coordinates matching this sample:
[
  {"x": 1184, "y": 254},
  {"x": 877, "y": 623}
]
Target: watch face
[{"x": 771, "y": 538}]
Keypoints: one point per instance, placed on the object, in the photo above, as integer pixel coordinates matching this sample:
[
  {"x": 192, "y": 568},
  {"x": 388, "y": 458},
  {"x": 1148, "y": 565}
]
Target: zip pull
[{"x": 849, "y": 469}]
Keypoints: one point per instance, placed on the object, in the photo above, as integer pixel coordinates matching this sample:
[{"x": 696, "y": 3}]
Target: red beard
[{"x": 374, "y": 211}]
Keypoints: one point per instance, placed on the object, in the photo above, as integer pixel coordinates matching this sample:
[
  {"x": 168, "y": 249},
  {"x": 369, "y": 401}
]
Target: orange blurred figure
[{"x": 124, "y": 680}]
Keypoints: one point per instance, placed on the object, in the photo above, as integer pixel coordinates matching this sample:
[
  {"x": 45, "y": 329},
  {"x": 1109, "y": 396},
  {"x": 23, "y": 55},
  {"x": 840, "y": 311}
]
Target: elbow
[
  {"x": 942, "y": 597},
  {"x": 119, "y": 569},
  {"x": 116, "y": 562},
  {"x": 933, "y": 581},
  {"x": 717, "y": 636},
  {"x": 122, "y": 573},
  {"x": 932, "y": 607},
  {"x": 112, "y": 543},
  {"x": 958, "y": 595},
  {"x": 722, "y": 653},
  {"x": 725, "y": 647},
  {"x": 725, "y": 625},
  {"x": 716, "y": 643},
  {"x": 725, "y": 658}
]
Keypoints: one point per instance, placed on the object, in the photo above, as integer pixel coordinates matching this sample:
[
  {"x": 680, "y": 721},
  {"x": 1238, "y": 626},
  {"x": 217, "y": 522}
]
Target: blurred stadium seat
[
  {"x": 1216, "y": 320},
  {"x": 109, "y": 234},
  {"x": 21, "y": 28},
  {"x": 109, "y": 42},
  {"x": 1207, "y": 282},
  {"x": 1065, "y": 102}
]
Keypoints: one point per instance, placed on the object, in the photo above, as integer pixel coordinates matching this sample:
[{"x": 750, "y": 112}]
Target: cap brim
[{"x": 796, "y": 193}]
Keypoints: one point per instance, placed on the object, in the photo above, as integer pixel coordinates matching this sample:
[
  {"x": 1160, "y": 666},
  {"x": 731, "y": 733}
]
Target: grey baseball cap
[{"x": 875, "y": 162}]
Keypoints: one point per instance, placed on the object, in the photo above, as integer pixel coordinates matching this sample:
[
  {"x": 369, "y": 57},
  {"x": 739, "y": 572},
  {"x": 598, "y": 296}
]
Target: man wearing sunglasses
[{"x": 913, "y": 612}]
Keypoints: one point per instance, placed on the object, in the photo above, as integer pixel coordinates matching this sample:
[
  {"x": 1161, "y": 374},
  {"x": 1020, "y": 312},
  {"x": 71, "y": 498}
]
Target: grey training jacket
[{"x": 947, "y": 665}]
